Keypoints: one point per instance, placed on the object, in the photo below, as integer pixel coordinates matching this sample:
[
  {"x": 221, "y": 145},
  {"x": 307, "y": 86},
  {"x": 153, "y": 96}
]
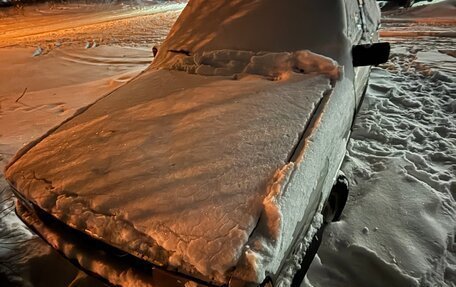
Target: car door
[
  {"x": 363, "y": 18},
  {"x": 370, "y": 15},
  {"x": 354, "y": 28},
  {"x": 354, "y": 32}
]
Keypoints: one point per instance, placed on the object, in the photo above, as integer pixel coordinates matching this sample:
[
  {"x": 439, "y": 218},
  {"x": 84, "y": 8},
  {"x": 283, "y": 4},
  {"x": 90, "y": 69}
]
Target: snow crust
[{"x": 119, "y": 275}]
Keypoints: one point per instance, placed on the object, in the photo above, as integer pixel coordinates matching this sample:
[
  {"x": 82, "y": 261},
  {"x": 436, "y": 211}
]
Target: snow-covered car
[{"x": 214, "y": 166}]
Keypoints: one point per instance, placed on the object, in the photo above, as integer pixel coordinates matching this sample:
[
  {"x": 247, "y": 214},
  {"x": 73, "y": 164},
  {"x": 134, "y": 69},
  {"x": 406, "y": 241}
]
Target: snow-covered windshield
[{"x": 256, "y": 25}]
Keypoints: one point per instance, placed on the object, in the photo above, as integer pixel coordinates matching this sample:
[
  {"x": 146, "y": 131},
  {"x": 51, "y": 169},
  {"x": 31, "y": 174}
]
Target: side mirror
[{"x": 370, "y": 54}]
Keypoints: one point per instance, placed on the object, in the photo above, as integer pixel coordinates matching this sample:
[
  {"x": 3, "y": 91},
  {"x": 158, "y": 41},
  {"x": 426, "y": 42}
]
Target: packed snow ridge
[{"x": 272, "y": 65}]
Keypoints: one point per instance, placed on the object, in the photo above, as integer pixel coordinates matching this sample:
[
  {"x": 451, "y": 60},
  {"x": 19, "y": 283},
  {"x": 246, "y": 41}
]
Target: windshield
[{"x": 256, "y": 25}]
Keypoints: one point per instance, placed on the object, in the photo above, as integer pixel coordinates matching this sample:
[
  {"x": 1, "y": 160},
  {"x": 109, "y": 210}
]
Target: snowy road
[
  {"x": 73, "y": 24},
  {"x": 399, "y": 228}
]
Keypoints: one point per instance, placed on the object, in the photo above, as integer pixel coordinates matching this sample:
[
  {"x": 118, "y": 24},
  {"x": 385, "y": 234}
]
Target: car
[{"x": 219, "y": 164}]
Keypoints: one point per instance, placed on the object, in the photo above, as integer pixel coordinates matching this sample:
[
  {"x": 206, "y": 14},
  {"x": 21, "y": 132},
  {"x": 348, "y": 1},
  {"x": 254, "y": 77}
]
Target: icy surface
[{"x": 108, "y": 266}]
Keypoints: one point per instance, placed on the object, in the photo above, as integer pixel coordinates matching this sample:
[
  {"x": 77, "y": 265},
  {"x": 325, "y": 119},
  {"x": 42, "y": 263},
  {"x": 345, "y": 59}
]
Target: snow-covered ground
[
  {"x": 61, "y": 25},
  {"x": 399, "y": 228}
]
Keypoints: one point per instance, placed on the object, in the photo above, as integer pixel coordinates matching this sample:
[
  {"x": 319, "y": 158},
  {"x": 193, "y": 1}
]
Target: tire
[{"x": 332, "y": 211}]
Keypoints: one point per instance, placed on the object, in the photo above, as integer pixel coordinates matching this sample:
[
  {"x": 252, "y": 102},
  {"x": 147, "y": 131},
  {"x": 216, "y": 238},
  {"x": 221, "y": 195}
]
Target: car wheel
[{"x": 337, "y": 199}]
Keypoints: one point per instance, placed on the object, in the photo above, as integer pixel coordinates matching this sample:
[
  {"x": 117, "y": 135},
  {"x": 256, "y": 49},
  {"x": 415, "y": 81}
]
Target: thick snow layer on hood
[
  {"x": 172, "y": 167},
  {"x": 258, "y": 25}
]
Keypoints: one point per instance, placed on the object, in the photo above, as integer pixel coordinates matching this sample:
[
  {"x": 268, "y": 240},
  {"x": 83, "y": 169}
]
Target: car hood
[{"x": 173, "y": 167}]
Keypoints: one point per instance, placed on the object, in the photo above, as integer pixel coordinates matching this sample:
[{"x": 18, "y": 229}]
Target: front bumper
[
  {"x": 114, "y": 266},
  {"x": 96, "y": 258}
]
